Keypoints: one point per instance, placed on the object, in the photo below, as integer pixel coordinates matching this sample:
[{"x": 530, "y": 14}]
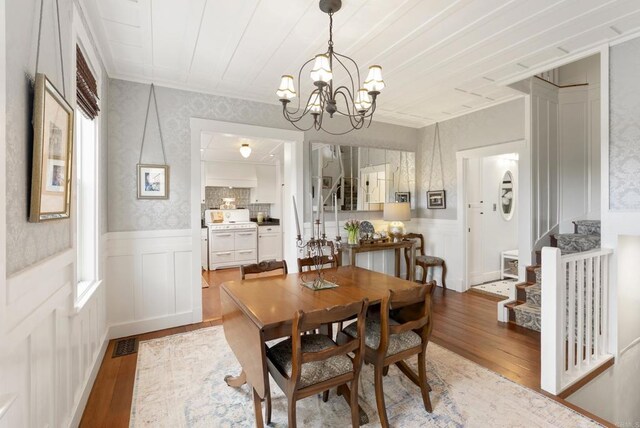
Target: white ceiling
[
  {"x": 440, "y": 58},
  {"x": 226, "y": 148}
]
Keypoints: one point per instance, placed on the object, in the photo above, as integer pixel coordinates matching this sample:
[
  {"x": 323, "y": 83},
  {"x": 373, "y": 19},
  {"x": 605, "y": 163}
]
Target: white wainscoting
[
  {"x": 149, "y": 281},
  {"x": 50, "y": 350},
  {"x": 442, "y": 239}
]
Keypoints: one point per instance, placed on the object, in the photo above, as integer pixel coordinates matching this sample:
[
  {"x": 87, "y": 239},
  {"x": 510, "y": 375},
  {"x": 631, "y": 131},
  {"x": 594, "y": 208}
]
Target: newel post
[{"x": 552, "y": 322}]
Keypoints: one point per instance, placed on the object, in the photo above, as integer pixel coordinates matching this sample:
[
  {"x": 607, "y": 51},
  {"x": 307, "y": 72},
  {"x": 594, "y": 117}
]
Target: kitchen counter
[{"x": 270, "y": 222}]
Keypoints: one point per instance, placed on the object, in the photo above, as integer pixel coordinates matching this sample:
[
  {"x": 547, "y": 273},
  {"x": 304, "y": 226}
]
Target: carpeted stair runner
[{"x": 585, "y": 238}]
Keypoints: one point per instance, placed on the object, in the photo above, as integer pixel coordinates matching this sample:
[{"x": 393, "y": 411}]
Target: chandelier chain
[{"x": 330, "y": 29}]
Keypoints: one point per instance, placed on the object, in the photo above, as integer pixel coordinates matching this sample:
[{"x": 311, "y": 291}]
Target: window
[
  {"x": 87, "y": 201},
  {"x": 86, "y": 173}
]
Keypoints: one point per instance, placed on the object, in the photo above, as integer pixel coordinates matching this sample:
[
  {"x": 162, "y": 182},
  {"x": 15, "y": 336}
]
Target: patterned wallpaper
[
  {"x": 624, "y": 131},
  {"x": 127, "y": 107},
  {"x": 502, "y": 123}
]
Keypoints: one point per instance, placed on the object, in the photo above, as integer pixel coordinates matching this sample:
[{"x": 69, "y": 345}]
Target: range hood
[{"x": 224, "y": 174}]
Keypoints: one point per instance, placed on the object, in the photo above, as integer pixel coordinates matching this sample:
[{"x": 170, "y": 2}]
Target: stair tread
[{"x": 528, "y": 307}]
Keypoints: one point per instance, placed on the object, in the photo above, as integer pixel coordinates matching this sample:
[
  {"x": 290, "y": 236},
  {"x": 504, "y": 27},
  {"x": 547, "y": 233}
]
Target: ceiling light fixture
[
  {"x": 245, "y": 150},
  {"x": 359, "y": 101}
]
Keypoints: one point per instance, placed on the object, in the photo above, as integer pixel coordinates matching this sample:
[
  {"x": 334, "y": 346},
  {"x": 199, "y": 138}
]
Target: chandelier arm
[
  {"x": 354, "y": 64},
  {"x": 353, "y": 119},
  {"x": 299, "y": 83},
  {"x": 304, "y": 113},
  {"x": 348, "y": 72}
]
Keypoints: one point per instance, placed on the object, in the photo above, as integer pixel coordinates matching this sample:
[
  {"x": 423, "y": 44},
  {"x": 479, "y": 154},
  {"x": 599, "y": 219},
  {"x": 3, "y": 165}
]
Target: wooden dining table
[{"x": 258, "y": 310}]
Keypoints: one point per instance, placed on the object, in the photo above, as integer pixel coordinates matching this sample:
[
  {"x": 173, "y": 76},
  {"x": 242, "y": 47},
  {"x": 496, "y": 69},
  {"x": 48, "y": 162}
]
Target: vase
[{"x": 352, "y": 239}]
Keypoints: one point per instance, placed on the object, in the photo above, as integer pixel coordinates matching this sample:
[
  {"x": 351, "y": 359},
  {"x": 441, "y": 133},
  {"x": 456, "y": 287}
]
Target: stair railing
[{"x": 575, "y": 309}]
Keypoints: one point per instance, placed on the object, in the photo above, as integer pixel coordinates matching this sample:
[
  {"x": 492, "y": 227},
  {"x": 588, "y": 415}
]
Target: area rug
[
  {"x": 179, "y": 383},
  {"x": 500, "y": 288}
]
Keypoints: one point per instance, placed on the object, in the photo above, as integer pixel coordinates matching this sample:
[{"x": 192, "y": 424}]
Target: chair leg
[
  {"x": 444, "y": 274},
  {"x": 424, "y": 385},
  {"x": 291, "y": 408},
  {"x": 325, "y": 396},
  {"x": 382, "y": 410},
  {"x": 267, "y": 410},
  {"x": 353, "y": 401}
]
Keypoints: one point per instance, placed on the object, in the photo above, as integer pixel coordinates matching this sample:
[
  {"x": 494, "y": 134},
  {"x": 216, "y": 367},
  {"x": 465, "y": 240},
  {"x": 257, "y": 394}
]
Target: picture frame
[
  {"x": 403, "y": 197},
  {"x": 51, "y": 172},
  {"x": 153, "y": 181},
  {"x": 327, "y": 181},
  {"x": 436, "y": 200}
]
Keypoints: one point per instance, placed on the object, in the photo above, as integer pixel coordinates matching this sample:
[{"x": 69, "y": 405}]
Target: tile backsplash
[{"x": 214, "y": 197}]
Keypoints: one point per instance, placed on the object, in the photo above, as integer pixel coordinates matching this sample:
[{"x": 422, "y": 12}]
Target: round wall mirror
[{"x": 507, "y": 196}]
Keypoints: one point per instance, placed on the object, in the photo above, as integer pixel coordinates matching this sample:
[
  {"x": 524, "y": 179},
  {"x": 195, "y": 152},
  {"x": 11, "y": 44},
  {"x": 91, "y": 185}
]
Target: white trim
[
  {"x": 3, "y": 165},
  {"x": 523, "y": 190},
  {"x": 89, "y": 287},
  {"x": 293, "y": 185},
  {"x": 78, "y": 410},
  {"x": 131, "y": 328},
  {"x": 629, "y": 347}
]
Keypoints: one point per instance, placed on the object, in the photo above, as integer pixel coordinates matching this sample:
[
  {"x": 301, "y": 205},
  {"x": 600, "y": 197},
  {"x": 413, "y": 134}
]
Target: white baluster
[
  {"x": 589, "y": 312},
  {"x": 597, "y": 309},
  {"x": 571, "y": 300},
  {"x": 581, "y": 314}
]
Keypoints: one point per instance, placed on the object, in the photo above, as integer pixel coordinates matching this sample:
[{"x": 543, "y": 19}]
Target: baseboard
[
  {"x": 88, "y": 386},
  {"x": 132, "y": 328}
]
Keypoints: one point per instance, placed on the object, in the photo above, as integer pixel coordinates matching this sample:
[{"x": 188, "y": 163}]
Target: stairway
[{"x": 525, "y": 311}]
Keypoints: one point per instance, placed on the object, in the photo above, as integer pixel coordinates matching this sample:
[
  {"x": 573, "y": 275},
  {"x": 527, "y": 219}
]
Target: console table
[{"x": 406, "y": 245}]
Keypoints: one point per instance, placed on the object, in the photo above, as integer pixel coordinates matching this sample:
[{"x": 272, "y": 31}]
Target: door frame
[
  {"x": 521, "y": 147},
  {"x": 292, "y": 186}
]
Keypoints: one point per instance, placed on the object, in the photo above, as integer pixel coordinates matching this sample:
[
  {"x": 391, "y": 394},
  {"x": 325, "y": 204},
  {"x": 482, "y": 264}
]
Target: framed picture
[
  {"x": 327, "y": 181},
  {"x": 153, "y": 181},
  {"x": 436, "y": 200},
  {"x": 52, "y": 153},
  {"x": 403, "y": 196}
]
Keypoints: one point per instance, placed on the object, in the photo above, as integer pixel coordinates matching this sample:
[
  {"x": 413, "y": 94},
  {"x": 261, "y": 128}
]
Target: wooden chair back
[
  {"x": 264, "y": 266},
  {"x": 419, "y": 238},
  {"x": 415, "y": 309},
  {"x": 333, "y": 261},
  {"x": 305, "y": 321}
]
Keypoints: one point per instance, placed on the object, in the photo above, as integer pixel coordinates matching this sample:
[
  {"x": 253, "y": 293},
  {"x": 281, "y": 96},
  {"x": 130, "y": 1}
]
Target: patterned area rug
[
  {"x": 179, "y": 383},
  {"x": 496, "y": 288}
]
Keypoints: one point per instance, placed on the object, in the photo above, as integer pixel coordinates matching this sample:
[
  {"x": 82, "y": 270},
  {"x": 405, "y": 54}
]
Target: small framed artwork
[
  {"x": 153, "y": 181},
  {"x": 403, "y": 196},
  {"x": 436, "y": 200},
  {"x": 327, "y": 181},
  {"x": 52, "y": 153}
]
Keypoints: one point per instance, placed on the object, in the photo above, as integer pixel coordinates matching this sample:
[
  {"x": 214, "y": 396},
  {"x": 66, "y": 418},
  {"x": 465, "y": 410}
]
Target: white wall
[{"x": 51, "y": 344}]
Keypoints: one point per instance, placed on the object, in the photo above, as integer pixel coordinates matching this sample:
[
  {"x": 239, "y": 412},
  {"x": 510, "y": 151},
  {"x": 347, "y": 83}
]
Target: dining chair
[
  {"x": 390, "y": 341},
  {"x": 332, "y": 261},
  {"x": 423, "y": 260},
  {"x": 304, "y": 365},
  {"x": 262, "y": 267}
]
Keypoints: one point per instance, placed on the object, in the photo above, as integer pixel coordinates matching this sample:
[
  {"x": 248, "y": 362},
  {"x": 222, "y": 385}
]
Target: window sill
[{"x": 86, "y": 289}]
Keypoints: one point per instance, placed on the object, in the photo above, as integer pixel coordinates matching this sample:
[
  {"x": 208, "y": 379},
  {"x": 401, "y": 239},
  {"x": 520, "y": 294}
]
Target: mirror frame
[{"x": 507, "y": 216}]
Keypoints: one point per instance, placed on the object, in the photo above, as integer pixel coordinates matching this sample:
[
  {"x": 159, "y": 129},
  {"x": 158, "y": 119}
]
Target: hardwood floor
[{"x": 464, "y": 323}]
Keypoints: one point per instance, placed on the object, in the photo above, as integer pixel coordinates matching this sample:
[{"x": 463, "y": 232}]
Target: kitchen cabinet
[
  {"x": 266, "y": 190},
  {"x": 269, "y": 243}
]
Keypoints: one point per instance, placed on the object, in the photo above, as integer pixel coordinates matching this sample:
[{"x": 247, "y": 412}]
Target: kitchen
[{"x": 241, "y": 205}]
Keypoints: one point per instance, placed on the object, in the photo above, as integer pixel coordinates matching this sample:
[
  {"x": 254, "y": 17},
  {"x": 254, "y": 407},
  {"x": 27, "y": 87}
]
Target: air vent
[{"x": 125, "y": 347}]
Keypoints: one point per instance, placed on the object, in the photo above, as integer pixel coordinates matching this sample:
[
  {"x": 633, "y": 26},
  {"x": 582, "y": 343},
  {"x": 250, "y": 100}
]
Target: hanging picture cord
[
  {"x": 152, "y": 91},
  {"x": 64, "y": 89},
  {"x": 436, "y": 140}
]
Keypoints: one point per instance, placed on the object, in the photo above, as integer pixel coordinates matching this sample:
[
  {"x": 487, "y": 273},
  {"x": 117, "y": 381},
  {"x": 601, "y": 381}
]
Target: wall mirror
[
  {"x": 507, "y": 196},
  {"x": 362, "y": 178}
]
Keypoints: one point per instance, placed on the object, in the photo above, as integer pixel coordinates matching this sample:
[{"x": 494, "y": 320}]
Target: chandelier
[{"x": 350, "y": 99}]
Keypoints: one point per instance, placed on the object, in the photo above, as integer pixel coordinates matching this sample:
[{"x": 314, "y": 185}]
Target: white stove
[{"x": 233, "y": 238}]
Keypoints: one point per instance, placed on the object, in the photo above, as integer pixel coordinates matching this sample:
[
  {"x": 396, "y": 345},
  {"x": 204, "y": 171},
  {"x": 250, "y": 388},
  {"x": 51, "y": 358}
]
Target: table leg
[
  {"x": 397, "y": 270},
  {"x": 236, "y": 381},
  {"x": 257, "y": 409}
]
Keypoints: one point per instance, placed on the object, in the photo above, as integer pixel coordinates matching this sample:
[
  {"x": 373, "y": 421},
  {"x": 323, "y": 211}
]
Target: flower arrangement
[{"x": 352, "y": 226}]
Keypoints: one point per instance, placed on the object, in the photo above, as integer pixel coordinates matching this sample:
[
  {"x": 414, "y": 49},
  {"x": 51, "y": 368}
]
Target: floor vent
[{"x": 125, "y": 347}]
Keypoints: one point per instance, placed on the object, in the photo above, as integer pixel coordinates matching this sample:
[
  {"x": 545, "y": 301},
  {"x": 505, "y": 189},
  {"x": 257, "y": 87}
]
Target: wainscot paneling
[
  {"x": 442, "y": 239},
  {"x": 50, "y": 349},
  {"x": 149, "y": 281}
]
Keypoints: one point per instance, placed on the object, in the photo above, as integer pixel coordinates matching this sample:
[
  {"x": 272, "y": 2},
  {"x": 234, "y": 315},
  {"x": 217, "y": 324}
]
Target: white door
[{"x": 474, "y": 207}]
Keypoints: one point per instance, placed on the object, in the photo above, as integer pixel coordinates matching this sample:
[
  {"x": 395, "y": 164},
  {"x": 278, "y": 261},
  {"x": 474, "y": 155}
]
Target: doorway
[
  {"x": 494, "y": 194},
  {"x": 492, "y": 222},
  {"x": 291, "y": 185}
]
